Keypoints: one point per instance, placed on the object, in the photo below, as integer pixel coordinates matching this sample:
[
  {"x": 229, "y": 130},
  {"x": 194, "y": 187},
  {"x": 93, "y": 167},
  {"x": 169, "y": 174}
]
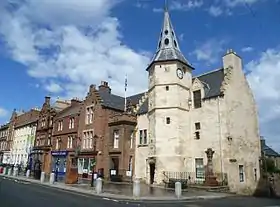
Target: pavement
[
  {"x": 14, "y": 193},
  {"x": 124, "y": 192}
]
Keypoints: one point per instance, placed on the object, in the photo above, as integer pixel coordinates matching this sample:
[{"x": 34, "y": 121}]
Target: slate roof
[
  {"x": 212, "y": 81},
  {"x": 168, "y": 45},
  {"x": 117, "y": 102},
  {"x": 268, "y": 151},
  {"x": 69, "y": 111},
  {"x": 4, "y": 126},
  {"x": 27, "y": 118}
]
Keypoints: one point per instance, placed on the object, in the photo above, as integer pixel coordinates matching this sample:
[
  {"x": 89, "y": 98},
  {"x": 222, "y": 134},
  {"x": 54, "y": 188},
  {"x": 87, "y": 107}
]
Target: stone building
[
  {"x": 184, "y": 115},
  {"x": 42, "y": 146},
  {"x": 4, "y": 132},
  {"x": 23, "y": 136},
  {"x": 64, "y": 142},
  {"x": 270, "y": 153}
]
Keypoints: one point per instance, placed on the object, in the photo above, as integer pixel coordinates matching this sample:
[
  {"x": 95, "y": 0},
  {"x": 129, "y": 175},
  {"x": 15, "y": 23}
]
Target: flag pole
[{"x": 125, "y": 87}]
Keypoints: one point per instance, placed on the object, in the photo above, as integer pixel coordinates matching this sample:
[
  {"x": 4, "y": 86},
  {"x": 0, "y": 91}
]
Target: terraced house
[
  {"x": 24, "y": 136},
  {"x": 41, "y": 152},
  {"x": 64, "y": 142},
  {"x": 4, "y": 132}
]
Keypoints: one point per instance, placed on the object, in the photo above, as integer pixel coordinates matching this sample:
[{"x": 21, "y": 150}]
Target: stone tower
[{"x": 170, "y": 80}]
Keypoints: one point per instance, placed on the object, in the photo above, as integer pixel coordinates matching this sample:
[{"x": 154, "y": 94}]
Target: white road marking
[{"x": 108, "y": 199}]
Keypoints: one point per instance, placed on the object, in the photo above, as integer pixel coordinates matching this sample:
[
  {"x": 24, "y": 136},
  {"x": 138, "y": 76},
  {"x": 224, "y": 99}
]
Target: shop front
[
  {"x": 59, "y": 164},
  {"x": 87, "y": 168}
]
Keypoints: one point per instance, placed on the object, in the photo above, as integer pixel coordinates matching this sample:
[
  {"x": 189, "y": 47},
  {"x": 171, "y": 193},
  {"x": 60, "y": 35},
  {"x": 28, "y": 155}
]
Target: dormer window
[{"x": 197, "y": 99}]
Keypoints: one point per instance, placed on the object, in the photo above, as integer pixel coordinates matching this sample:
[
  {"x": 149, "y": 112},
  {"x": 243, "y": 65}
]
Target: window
[
  {"x": 167, "y": 88},
  {"x": 89, "y": 115},
  {"x": 130, "y": 164},
  {"x": 197, "y": 99},
  {"x": 70, "y": 142},
  {"x": 199, "y": 168},
  {"x": 71, "y": 123},
  {"x": 197, "y": 135},
  {"x": 51, "y": 122},
  {"x": 88, "y": 140},
  {"x": 167, "y": 120},
  {"x": 197, "y": 126},
  {"x": 241, "y": 173},
  {"x": 143, "y": 139},
  {"x": 116, "y": 139},
  {"x": 60, "y": 126},
  {"x": 145, "y": 136},
  {"x": 86, "y": 165},
  {"x": 131, "y": 139},
  {"x": 43, "y": 123},
  {"x": 57, "y": 144}
]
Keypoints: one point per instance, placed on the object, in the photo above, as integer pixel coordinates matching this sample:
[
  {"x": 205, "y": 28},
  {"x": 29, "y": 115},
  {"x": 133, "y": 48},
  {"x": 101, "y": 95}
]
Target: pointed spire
[{"x": 168, "y": 47}]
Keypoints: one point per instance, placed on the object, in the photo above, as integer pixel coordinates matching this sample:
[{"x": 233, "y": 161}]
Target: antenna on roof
[{"x": 125, "y": 87}]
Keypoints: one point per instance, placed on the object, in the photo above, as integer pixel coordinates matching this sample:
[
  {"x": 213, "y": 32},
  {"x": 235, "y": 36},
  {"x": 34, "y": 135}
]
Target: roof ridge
[{"x": 208, "y": 72}]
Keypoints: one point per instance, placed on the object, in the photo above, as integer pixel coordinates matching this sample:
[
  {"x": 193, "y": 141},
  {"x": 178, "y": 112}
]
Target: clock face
[{"x": 180, "y": 73}]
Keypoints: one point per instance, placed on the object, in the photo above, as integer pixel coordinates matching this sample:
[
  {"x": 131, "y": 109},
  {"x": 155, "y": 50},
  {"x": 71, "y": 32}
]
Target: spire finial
[{"x": 166, "y": 5}]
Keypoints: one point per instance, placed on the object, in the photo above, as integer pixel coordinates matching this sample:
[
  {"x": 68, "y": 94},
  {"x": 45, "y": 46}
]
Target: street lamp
[
  {"x": 57, "y": 160},
  {"x": 93, "y": 165}
]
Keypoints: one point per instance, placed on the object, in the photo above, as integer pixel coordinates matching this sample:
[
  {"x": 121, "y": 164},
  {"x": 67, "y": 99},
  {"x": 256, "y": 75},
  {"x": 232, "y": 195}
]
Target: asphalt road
[{"x": 15, "y": 193}]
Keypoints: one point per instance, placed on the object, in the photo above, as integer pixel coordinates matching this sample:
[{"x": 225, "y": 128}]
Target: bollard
[
  {"x": 98, "y": 187},
  {"x": 52, "y": 178},
  {"x": 136, "y": 188},
  {"x": 4, "y": 171},
  {"x": 178, "y": 189},
  {"x": 42, "y": 178},
  {"x": 27, "y": 173},
  {"x": 9, "y": 171},
  {"x": 15, "y": 173}
]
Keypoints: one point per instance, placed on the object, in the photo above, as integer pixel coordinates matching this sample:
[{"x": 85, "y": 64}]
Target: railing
[{"x": 192, "y": 178}]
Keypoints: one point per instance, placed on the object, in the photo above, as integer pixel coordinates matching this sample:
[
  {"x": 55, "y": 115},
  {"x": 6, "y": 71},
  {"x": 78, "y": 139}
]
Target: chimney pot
[{"x": 104, "y": 86}]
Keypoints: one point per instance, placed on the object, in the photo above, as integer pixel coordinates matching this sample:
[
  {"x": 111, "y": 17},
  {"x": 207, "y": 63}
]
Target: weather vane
[{"x": 166, "y": 5}]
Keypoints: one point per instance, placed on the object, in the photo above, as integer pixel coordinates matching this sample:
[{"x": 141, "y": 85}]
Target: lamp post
[
  {"x": 93, "y": 165},
  {"x": 57, "y": 160}
]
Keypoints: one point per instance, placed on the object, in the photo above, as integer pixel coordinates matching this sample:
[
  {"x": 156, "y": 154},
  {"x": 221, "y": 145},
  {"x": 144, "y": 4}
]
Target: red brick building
[
  {"x": 64, "y": 143},
  {"x": 103, "y": 123},
  {"x": 42, "y": 146}
]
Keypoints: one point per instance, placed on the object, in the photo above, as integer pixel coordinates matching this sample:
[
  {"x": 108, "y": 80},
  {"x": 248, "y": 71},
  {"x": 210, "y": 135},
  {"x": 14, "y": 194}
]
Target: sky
[{"x": 59, "y": 48}]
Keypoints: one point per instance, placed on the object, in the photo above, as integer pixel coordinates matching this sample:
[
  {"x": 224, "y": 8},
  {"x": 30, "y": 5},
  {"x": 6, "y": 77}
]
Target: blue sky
[{"x": 59, "y": 48}]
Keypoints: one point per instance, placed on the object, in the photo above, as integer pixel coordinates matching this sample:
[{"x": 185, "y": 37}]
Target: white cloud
[
  {"x": 184, "y": 6},
  {"x": 234, "y": 3},
  {"x": 209, "y": 51},
  {"x": 157, "y": 10},
  {"x": 53, "y": 87},
  {"x": 247, "y": 49},
  {"x": 3, "y": 112},
  {"x": 215, "y": 11},
  {"x": 78, "y": 44},
  {"x": 264, "y": 80}
]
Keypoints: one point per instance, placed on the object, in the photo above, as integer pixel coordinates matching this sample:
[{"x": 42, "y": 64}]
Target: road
[{"x": 15, "y": 193}]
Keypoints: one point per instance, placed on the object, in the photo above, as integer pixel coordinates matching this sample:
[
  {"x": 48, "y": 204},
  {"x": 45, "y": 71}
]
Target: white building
[
  {"x": 184, "y": 115},
  {"x": 23, "y": 136}
]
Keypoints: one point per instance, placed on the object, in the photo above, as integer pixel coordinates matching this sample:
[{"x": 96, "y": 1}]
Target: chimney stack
[
  {"x": 47, "y": 100},
  {"x": 104, "y": 87},
  {"x": 75, "y": 101}
]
